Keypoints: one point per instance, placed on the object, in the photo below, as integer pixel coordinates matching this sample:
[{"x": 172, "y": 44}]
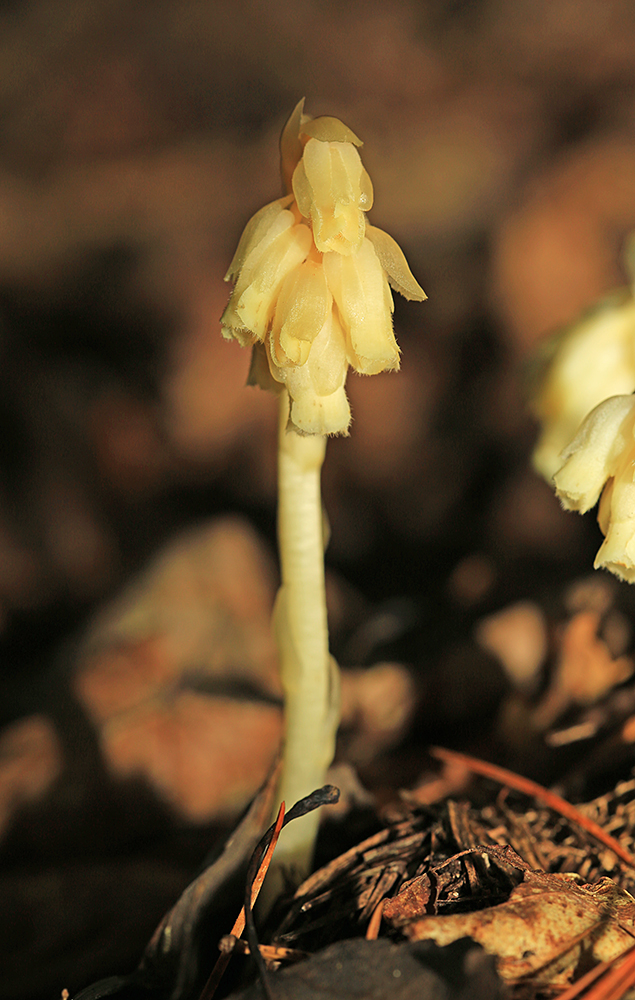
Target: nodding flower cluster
[
  {"x": 599, "y": 464},
  {"x": 586, "y": 408},
  {"x": 311, "y": 279}
]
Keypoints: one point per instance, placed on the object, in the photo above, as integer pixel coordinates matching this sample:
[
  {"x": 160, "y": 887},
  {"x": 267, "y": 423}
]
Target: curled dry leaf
[{"x": 542, "y": 930}]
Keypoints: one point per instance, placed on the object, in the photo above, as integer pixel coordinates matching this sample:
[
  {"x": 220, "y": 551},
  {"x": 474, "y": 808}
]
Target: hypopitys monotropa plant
[
  {"x": 586, "y": 408},
  {"x": 312, "y": 296}
]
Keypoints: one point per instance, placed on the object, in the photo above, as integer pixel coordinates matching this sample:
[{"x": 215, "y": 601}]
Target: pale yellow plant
[
  {"x": 312, "y": 279},
  {"x": 591, "y": 360},
  {"x": 587, "y": 444},
  {"x": 312, "y": 297},
  {"x": 599, "y": 464}
]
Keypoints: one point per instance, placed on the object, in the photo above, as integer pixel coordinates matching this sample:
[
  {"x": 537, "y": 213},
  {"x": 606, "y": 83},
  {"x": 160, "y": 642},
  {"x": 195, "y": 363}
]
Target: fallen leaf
[
  {"x": 205, "y": 756},
  {"x": 585, "y": 671},
  {"x": 517, "y": 635},
  {"x": 30, "y": 761},
  {"x": 179, "y": 674},
  {"x": 547, "y": 927}
]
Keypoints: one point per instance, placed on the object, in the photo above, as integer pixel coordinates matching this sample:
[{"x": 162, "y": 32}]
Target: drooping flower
[
  {"x": 589, "y": 361},
  {"x": 600, "y": 464},
  {"x": 311, "y": 278}
]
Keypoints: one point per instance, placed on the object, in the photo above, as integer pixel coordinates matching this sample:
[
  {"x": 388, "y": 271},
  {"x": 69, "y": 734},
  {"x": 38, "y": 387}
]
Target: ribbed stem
[{"x": 309, "y": 674}]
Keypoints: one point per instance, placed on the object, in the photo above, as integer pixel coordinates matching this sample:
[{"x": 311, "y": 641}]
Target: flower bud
[
  {"x": 302, "y": 309},
  {"x": 250, "y": 310},
  {"x": 615, "y": 517},
  {"x": 333, "y": 190}
]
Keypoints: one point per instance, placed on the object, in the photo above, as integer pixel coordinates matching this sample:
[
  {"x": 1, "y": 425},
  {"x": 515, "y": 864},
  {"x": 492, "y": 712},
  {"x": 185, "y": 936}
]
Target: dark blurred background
[{"x": 136, "y": 139}]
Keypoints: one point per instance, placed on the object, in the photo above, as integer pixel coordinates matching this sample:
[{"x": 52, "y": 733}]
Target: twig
[
  {"x": 270, "y": 952},
  {"x": 587, "y": 979}
]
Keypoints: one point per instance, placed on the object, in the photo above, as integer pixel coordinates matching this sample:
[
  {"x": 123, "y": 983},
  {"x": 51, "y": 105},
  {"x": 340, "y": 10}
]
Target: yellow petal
[
  {"x": 289, "y": 350},
  {"x": 303, "y": 306},
  {"x": 253, "y": 301},
  {"x": 232, "y": 323},
  {"x": 327, "y": 364},
  {"x": 360, "y": 289},
  {"x": 616, "y": 514},
  {"x": 312, "y": 414},
  {"x": 326, "y": 367},
  {"x": 392, "y": 259},
  {"x": 366, "y": 189},
  {"x": 290, "y": 143},
  {"x": 316, "y": 388},
  {"x": 590, "y": 460},
  {"x": 280, "y": 223},
  {"x": 327, "y": 184},
  {"x": 253, "y": 232},
  {"x": 328, "y": 129},
  {"x": 302, "y": 190},
  {"x": 617, "y": 552}
]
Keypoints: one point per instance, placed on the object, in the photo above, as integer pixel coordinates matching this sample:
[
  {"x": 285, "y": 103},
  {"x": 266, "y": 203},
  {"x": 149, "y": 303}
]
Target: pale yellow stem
[{"x": 309, "y": 674}]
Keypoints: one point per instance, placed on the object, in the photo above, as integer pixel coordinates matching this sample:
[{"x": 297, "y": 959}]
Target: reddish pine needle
[
  {"x": 617, "y": 976},
  {"x": 223, "y": 959},
  {"x": 615, "y": 983},
  {"x": 587, "y": 979},
  {"x": 533, "y": 789}
]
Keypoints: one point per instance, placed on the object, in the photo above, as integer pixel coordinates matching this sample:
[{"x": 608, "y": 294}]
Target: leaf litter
[{"x": 537, "y": 904}]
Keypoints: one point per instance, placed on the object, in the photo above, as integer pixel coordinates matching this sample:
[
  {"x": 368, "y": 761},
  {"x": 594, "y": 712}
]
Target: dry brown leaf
[
  {"x": 179, "y": 674},
  {"x": 208, "y": 595},
  {"x": 205, "y": 756},
  {"x": 548, "y": 923},
  {"x": 517, "y": 635},
  {"x": 377, "y": 704},
  {"x": 585, "y": 672},
  {"x": 410, "y": 902},
  {"x": 30, "y": 761}
]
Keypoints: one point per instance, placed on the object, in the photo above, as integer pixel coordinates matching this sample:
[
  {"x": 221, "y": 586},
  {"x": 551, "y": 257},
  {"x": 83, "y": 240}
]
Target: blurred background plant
[
  {"x": 141, "y": 711},
  {"x": 583, "y": 400}
]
